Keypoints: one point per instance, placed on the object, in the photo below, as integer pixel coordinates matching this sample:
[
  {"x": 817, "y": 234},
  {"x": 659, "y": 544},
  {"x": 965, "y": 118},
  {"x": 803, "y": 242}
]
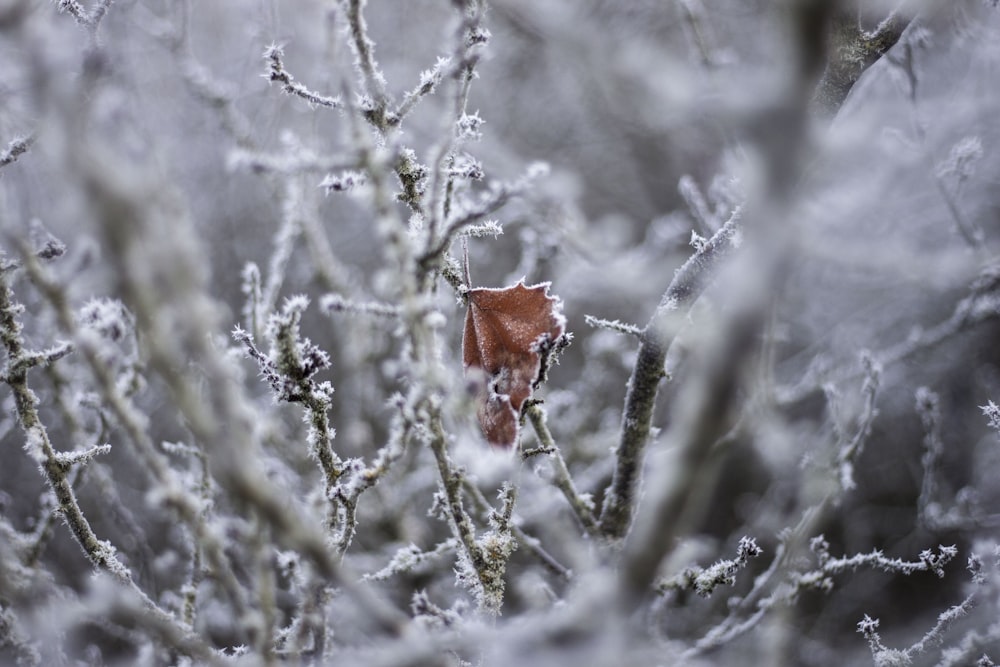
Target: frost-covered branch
[
  {"x": 335, "y": 303},
  {"x": 582, "y": 506},
  {"x": 882, "y": 655},
  {"x": 929, "y": 562},
  {"x": 530, "y": 543},
  {"x": 15, "y": 149},
  {"x": 687, "y": 285},
  {"x": 200, "y": 199},
  {"x": 274, "y": 55},
  {"x": 429, "y": 81},
  {"x": 364, "y": 59},
  {"x": 90, "y": 19},
  {"x": 358, "y": 478},
  {"x": 852, "y": 51},
  {"x": 412, "y": 560},
  {"x": 850, "y": 449},
  {"x": 172, "y": 491},
  {"x": 749, "y": 611},
  {"x": 289, "y": 368},
  {"x": 613, "y": 325},
  {"x": 467, "y": 213},
  {"x": 54, "y": 466},
  {"x": 722, "y": 573},
  {"x": 476, "y": 568}
]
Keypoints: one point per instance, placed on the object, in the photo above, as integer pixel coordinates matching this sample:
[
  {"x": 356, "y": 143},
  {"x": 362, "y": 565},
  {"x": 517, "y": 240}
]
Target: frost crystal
[
  {"x": 469, "y": 127},
  {"x": 992, "y": 412}
]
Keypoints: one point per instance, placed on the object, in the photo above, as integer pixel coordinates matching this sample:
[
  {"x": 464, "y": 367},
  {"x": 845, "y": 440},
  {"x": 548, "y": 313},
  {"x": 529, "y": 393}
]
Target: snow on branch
[
  {"x": 276, "y": 72},
  {"x": 722, "y": 573},
  {"x": 337, "y": 303},
  {"x": 90, "y": 19},
  {"x": 613, "y": 325},
  {"x": 688, "y": 282},
  {"x": 15, "y": 149},
  {"x": 885, "y": 656}
]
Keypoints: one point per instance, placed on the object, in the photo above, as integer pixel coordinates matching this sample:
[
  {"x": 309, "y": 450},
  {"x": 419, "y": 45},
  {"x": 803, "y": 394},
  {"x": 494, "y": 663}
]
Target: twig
[
  {"x": 429, "y": 81},
  {"x": 473, "y": 212},
  {"x": 721, "y": 573},
  {"x": 881, "y": 654},
  {"x": 613, "y": 325},
  {"x": 582, "y": 508},
  {"x": 277, "y": 72},
  {"x": 851, "y": 449},
  {"x": 531, "y": 543},
  {"x": 411, "y": 558},
  {"x": 357, "y": 479},
  {"x": 15, "y": 149},
  {"x": 451, "y": 483},
  {"x": 289, "y": 369},
  {"x": 335, "y": 303},
  {"x": 364, "y": 56}
]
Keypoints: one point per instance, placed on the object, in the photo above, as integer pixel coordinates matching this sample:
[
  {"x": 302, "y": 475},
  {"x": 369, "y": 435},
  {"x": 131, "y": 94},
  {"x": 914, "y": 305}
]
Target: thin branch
[
  {"x": 289, "y": 370},
  {"x": 335, "y": 303},
  {"x": 851, "y": 449},
  {"x": 881, "y": 654},
  {"x": 101, "y": 554},
  {"x": 173, "y": 492},
  {"x": 364, "y": 55},
  {"x": 299, "y": 160},
  {"x": 613, "y": 325},
  {"x": 451, "y": 484},
  {"x": 685, "y": 468},
  {"x": 15, "y": 149},
  {"x": 429, "y": 81},
  {"x": 721, "y": 573},
  {"x": 473, "y": 212},
  {"x": 277, "y": 72},
  {"x": 531, "y": 543},
  {"x": 461, "y": 127},
  {"x": 358, "y": 478},
  {"x": 411, "y": 559},
  {"x": 583, "y": 508}
]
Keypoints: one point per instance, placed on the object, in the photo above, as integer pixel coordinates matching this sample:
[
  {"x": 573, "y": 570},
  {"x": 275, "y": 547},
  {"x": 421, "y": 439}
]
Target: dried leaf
[{"x": 509, "y": 333}]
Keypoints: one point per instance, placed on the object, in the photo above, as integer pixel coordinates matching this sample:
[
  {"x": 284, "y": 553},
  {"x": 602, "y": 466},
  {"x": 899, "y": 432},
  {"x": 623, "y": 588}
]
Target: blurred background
[{"x": 644, "y": 112}]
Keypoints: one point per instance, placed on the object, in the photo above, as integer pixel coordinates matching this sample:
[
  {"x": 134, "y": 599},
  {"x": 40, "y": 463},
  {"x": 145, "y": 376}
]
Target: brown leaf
[{"x": 508, "y": 332}]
